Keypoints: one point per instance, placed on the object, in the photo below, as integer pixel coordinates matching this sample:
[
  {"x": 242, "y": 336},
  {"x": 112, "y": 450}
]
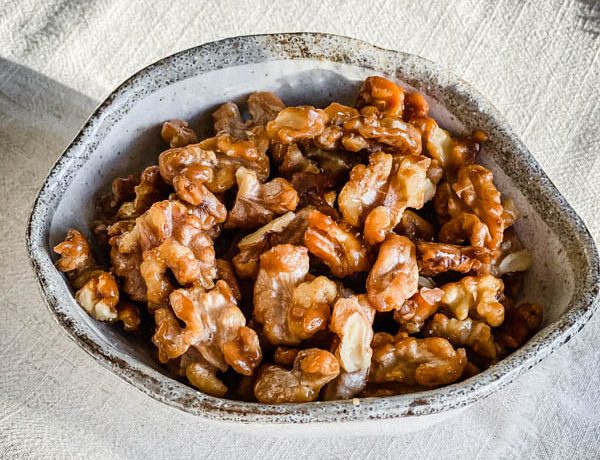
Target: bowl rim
[{"x": 341, "y": 49}]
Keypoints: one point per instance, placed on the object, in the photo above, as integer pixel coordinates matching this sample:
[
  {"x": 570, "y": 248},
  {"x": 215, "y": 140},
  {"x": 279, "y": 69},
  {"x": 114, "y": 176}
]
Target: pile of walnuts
[{"x": 309, "y": 253}]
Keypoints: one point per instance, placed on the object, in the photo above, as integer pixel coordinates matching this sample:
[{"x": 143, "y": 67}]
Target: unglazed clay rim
[{"x": 465, "y": 102}]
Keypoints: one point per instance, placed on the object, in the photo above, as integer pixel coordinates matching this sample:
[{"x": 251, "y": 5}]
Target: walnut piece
[
  {"x": 257, "y": 204},
  {"x": 97, "y": 290},
  {"x": 289, "y": 309},
  {"x": 408, "y": 187},
  {"x": 336, "y": 244},
  {"x": 463, "y": 333},
  {"x": 385, "y": 95},
  {"x": 151, "y": 188},
  {"x": 295, "y": 123},
  {"x": 214, "y": 325},
  {"x": 352, "y": 322},
  {"x": 201, "y": 374},
  {"x": 394, "y": 276},
  {"x": 129, "y": 315},
  {"x": 480, "y": 215},
  {"x": 428, "y": 362},
  {"x": 226, "y": 273},
  {"x": 313, "y": 368},
  {"x": 477, "y": 297},
  {"x": 436, "y": 258},
  {"x": 177, "y": 133}
]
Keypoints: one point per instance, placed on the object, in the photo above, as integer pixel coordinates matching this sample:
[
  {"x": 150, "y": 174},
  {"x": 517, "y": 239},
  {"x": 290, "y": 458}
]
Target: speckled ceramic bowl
[{"x": 123, "y": 136}]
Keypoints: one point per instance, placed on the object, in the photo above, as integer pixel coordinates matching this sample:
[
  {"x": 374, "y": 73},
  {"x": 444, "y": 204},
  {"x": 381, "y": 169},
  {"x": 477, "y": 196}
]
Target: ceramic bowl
[{"x": 122, "y": 136}]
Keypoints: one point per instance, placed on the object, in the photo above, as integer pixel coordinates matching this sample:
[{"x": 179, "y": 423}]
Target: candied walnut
[
  {"x": 313, "y": 368},
  {"x": 414, "y": 227},
  {"x": 202, "y": 374},
  {"x": 97, "y": 290},
  {"x": 177, "y": 133},
  {"x": 334, "y": 164},
  {"x": 365, "y": 189},
  {"x": 257, "y": 204},
  {"x": 394, "y": 276},
  {"x": 463, "y": 333},
  {"x": 99, "y": 297},
  {"x": 296, "y": 123},
  {"x": 369, "y": 131},
  {"x": 214, "y": 325},
  {"x": 428, "y": 362},
  {"x": 521, "y": 323},
  {"x": 408, "y": 187},
  {"x": 310, "y": 307},
  {"x": 129, "y": 315},
  {"x": 285, "y": 356},
  {"x": 188, "y": 266},
  {"x": 150, "y": 189},
  {"x": 264, "y": 107},
  {"x": 173, "y": 161},
  {"x": 127, "y": 268},
  {"x": 477, "y": 297},
  {"x": 352, "y": 321},
  {"x": 482, "y": 216},
  {"x": 290, "y": 309},
  {"x": 415, "y": 106},
  {"x": 436, "y": 258},
  {"x": 418, "y": 309},
  {"x": 227, "y": 119},
  {"x": 383, "y": 94},
  {"x": 75, "y": 253},
  {"x": 225, "y": 272},
  {"x": 288, "y": 228},
  {"x": 336, "y": 245},
  {"x": 190, "y": 187}
]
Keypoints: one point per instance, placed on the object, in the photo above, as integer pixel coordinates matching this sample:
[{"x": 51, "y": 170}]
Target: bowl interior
[{"x": 123, "y": 136}]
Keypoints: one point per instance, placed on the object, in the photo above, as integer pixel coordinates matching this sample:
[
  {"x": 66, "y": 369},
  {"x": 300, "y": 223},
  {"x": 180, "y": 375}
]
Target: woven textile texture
[{"x": 537, "y": 61}]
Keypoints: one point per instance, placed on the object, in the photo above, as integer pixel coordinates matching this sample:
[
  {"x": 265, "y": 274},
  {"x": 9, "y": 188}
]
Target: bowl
[{"x": 122, "y": 136}]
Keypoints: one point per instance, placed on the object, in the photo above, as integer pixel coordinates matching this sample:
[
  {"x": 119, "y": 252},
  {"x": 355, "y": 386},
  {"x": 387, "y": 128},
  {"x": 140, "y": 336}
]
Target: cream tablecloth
[{"x": 536, "y": 60}]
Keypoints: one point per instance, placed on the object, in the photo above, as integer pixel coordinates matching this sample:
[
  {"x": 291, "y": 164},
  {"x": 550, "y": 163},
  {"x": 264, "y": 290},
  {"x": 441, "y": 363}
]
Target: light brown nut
[
  {"x": 288, "y": 228},
  {"x": 521, "y": 323},
  {"x": 168, "y": 337},
  {"x": 173, "y": 161},
  {"x": 202, "y": 374},
  {"x": 228, "y": 120},
  {"x": 480, "y": 198},
  {"x": 226, "y": 273},
  {"x": 394, "y": 276},
  {"x": 99, "y": 297},
  {"x": 352, "y": 322},
  {"x": 428, "y": 362},
  {"x": 190, "y": 187},
  {"x": 289, "y": 309},
  {"x": 177, "y": 133},
  {"x": 336, "y": 244},
  {"x": 257, "y": 204},
  {"x": 463, "y": 333},
  {"x": 313, "y": 368},
  {"x": 383, "y": 94},
  {"x": 75, "y": 253},
  {"x": 282, "y": 268},
  {"x": 311, "y": 307},
  {"x": 127, "y": 268},
  {"x": 415, "y": 227},
  {"x": 264, "y": 107},
  {"x": 296, "y": 123},
  {"x": 366, "y": 188},
  {"x": 129, "y": 315},
  {"x": 415, "y": 106},
  {"x": 418, "y": 309},
  {"x": 477, "y": 297},
  {"x": 408, "y": 187},
  {"x": 214, "y": 325},
  {"x": 436, "y": 258}
]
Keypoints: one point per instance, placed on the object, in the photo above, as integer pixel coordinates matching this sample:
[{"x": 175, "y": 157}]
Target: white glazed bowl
[{"x": 123, "y": 136}]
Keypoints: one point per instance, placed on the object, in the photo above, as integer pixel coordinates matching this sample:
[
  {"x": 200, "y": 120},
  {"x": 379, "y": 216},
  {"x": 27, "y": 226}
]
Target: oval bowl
[{"x": 122, "y": 136}]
